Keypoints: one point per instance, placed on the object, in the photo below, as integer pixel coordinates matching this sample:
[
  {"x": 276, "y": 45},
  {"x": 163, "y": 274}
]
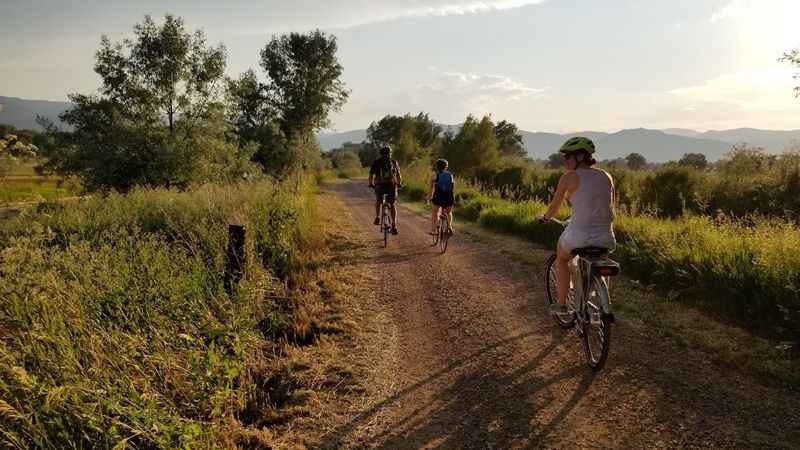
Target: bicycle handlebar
[{"x": 563, "y": 223}]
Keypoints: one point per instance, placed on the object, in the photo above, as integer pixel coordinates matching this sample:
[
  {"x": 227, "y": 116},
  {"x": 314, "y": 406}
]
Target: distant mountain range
[
  {"x": 22, "y": 113},
  {"x": 655, "y": 145}
]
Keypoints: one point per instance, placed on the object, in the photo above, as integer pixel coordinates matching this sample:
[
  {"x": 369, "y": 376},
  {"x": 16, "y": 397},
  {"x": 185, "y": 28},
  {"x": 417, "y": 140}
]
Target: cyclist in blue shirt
[{"x": 442, "y": 187}]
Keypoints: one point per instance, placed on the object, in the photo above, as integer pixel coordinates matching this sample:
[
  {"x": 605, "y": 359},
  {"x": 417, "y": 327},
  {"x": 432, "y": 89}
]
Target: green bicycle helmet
[{"x": 577, "y": 143}]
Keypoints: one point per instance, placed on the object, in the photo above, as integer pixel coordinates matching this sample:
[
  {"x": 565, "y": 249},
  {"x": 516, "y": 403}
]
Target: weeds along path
[{"x": 472, "y": 360}]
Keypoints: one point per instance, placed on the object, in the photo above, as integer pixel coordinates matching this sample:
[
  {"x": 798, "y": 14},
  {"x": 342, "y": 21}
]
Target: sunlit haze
[{"x": 556, "y": 65}]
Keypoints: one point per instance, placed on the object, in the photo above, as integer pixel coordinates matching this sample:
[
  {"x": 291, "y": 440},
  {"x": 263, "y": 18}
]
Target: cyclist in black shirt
[{"x": 385, "y": 177}]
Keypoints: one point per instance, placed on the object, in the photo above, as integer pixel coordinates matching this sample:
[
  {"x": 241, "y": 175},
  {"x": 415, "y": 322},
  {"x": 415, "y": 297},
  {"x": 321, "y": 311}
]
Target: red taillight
[{"x": 608, "y": 271}]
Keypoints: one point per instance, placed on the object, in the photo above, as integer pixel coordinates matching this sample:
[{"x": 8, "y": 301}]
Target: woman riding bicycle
[
  {"x": 590, "y": 192},
  {"x": 442, "y": 198}
]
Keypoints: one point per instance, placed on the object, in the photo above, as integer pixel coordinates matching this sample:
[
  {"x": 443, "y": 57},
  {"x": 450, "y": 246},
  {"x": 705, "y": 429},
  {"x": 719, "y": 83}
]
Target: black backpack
[{"x": 387, "y": 171}]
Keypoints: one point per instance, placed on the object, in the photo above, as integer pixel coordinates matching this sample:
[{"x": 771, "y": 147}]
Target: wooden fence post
[{"x": 235, "y": 258}]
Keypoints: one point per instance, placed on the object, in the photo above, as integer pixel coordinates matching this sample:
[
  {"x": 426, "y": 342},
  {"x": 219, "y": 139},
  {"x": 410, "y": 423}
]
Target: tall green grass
[
  {"x": 115, "y": 328},
  {"x": 30, "y": 190}
]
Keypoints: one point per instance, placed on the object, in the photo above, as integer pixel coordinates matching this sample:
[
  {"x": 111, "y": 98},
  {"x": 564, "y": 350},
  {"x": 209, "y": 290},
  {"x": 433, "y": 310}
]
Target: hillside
[
  {"x": 329, "y": 141},
  {"x": 774, "y": 140},
  {"x": 655, "y": 145},
  {"x": 658, "y": 146},
  {"x": 22, "y": 113}
]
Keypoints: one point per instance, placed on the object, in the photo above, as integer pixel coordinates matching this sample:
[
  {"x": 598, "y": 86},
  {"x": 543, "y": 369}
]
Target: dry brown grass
[{"x": 325, "y": 368}]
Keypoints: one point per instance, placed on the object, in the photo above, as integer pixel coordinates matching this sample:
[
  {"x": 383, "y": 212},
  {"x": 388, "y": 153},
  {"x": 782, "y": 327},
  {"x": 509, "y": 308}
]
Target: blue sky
[{"x": 550, "y": 65}]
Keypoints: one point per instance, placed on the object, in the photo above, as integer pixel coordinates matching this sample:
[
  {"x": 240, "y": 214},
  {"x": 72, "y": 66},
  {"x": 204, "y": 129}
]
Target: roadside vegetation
[{"x": 116, "y": 327}]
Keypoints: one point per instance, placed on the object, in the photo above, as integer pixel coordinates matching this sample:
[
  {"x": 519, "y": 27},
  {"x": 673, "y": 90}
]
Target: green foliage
[
  {"x": 555, "y": 161},
  {"x": 164, "y": 68},
  {"x": 304, "y": 84},
  {"x": 155, "y": 121},
  {"x": 674, "y": 190},
  {"x": 116, "y": 330},
  {"x": 694, "y": 160},
  {"x": 411, "y": 137},
  {"x": 636, "y": 161},
  {"x": 473, "y": 148},
  {"x": 346, "y": 162},
  {"x": 509, "y": 139},
  {"x": 16, "y": 148},
  {"x": 793, "y": 57},
  {"x": 30, "y": 190},
  {"x": 279, "y": 116}
]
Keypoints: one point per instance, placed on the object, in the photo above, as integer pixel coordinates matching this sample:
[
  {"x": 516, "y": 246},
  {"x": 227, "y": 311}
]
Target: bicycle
[
  {"x": 385, "y": 219},
  {"x": 442, "y": 235},
  {"x": 592, "y": 316}
]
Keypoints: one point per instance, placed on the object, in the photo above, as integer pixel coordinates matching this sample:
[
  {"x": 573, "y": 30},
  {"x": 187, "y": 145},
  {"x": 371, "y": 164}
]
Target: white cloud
[
  {"x": 344, "y": 14},
  {"x": 450, "y": 95},
  {"x": 464, "y": 7},
  {"x": 765, "y": 91},
  {"x": 733, "y": 9},
  {"x": 493, "y": 87}
]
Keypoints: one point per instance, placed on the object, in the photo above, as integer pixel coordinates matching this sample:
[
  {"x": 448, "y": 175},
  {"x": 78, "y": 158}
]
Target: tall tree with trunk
[
  {"x": 509, "y": 139},
  {"x": 304, "y": 81},
  {"x": 156, "y": 120},
  {"x": 163, "y": 67}
]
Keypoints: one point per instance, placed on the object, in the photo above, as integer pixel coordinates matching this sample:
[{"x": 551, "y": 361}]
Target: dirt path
[{"x": 472, "y": 360}]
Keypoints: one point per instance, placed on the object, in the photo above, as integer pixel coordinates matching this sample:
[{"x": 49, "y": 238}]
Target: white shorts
[{"x": 573, "y": 238}]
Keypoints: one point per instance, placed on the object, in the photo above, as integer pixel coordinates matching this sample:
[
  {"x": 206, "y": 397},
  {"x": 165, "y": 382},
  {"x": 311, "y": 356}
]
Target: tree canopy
[{"x": 156, "y": 119}]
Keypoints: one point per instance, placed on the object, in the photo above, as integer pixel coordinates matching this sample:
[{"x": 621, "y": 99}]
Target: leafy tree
[
  {"x": 367, "y": 153},
  {"x": 793, "y": 57},
  {"x": 473, "y": 148},
  {"x": 418, "y": 135},
  {"x": 636, "y": 161},
  {"x": 509, "y": 139},
  {"x": 304, "y": 81},
  {"x": 346, "y": 161},
  {"x": 744, "y": 161},
  {"x": 695, "y": 160},
  {"x": 163, "y": 66},
  {"x": 156, "y": 120},
  {"x": 555, "y": 161},
  {"x": 279, "y": 115}
]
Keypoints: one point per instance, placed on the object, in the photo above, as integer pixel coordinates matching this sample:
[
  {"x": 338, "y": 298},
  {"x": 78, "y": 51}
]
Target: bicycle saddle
[{"x": 585, "y": 252}]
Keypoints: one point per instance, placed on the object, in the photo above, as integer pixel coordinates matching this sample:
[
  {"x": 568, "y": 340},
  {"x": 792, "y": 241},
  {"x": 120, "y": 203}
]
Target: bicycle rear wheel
[
  {"x": 444, "y": 236},
  {"x": 597, "y": 328},
  {"x": 385, "y": 226},
  {"x": 552, "y": 293}
]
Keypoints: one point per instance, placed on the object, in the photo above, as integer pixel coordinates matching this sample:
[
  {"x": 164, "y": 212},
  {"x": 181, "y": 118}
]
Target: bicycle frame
[{"x": 583, "y": 266}]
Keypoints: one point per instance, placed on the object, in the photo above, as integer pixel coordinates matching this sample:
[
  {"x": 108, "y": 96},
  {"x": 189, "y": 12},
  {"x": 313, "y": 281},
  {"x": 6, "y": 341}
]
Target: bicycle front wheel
[
  {"x": 552, "y": 293},
  {"x": 597, "y": 328}
]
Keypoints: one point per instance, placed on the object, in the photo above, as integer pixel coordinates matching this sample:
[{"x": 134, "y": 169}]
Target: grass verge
[{"x": 115, "y": 328}]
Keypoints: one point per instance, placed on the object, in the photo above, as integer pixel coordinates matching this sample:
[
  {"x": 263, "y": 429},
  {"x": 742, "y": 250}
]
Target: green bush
[
  {"x": 116, "y": 329},
  {"x": 674, "y": 190}
]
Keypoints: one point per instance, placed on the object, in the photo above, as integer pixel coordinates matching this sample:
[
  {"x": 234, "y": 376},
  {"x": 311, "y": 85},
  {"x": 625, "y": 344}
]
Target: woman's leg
[
  {"x": 450, "y": 217},
  {"x": 434, "y": 218},
  {"x": 562, "y": 274}
]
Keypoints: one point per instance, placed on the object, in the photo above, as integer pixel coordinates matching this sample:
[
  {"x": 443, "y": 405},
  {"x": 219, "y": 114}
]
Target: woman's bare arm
[{"x": 565, "y": 184}]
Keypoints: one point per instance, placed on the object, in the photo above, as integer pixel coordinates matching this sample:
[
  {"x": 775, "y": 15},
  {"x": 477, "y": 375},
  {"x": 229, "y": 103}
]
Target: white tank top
[{"x": 591, "y": 203}]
